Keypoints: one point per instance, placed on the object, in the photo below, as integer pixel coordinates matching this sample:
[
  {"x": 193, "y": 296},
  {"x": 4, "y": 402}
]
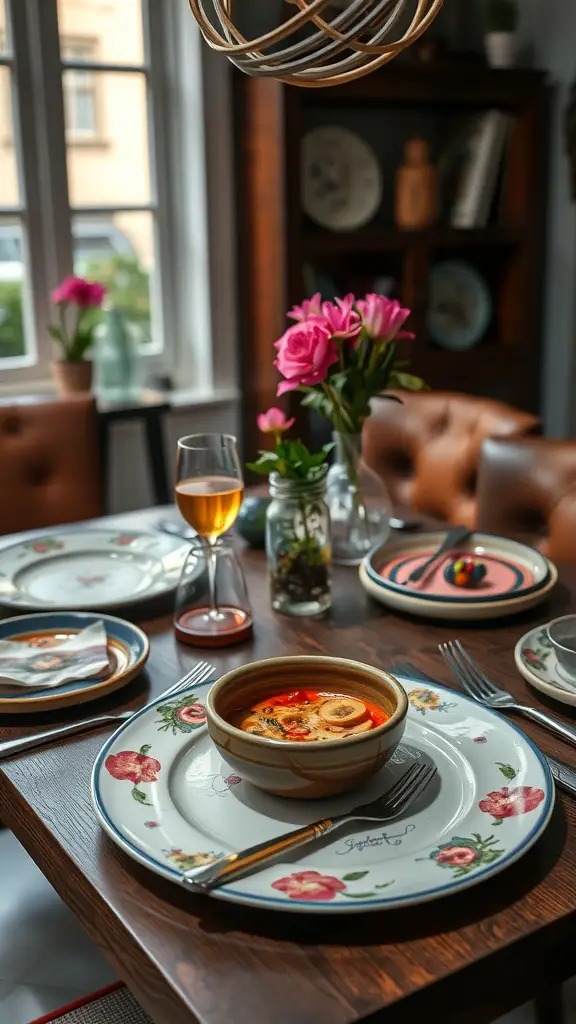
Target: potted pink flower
[
  {"x": 340, "y": 355},
  {"x": 76, "y": 301}
]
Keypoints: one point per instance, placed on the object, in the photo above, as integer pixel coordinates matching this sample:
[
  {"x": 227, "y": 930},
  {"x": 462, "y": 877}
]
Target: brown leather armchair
[
  {"x": 527, "y": 490},
  {"x": 49, "y": 463},
  {"x": 427, "y": 449}
]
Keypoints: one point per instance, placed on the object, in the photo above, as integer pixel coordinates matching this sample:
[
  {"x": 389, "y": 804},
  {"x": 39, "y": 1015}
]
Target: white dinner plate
[
  {"x": 163, "y": 793},
  {"x": 536, "y": 660},
  {"x": 86, "y": 568}
]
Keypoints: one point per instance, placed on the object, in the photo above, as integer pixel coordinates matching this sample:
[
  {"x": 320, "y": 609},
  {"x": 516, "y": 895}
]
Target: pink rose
[
  {"x": 342, "y": 319},
  {"x": 273, "y": 422},
  {"x": 82, "y": 293},
  {"x": 458, "y": 856},
  {"x": 133, "y": 766},
  {"x": 383, "y": 317},
  {"x": 309, "y": 307},
  {"x": 508, "y": 803},
  {"x": 309, "y": 885},
  {"x": 306, "y": 351}
]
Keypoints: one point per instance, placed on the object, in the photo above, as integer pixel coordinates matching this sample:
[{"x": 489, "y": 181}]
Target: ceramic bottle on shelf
[{"x": 416, "y": 188}]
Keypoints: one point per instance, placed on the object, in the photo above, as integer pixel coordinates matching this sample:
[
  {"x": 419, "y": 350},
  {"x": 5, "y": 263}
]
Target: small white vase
[{"x": 501, "y": 49}]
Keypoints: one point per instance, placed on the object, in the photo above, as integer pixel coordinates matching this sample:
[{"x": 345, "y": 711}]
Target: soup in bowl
[{"x": 306, "y": 727}]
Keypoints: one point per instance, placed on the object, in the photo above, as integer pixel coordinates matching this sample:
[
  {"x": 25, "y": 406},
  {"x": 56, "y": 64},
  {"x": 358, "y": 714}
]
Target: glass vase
[
  {"x": 358, "y": 502},
  {"x": 298, "y": 546},
  {"x": 117, "y": 358}
]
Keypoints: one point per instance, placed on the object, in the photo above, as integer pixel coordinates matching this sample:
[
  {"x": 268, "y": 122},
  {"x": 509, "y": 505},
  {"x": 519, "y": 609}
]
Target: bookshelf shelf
[{"x": 283, "y": 256}]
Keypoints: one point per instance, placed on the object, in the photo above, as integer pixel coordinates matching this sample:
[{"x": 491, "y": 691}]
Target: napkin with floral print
[{"x": 47, "y": 661}]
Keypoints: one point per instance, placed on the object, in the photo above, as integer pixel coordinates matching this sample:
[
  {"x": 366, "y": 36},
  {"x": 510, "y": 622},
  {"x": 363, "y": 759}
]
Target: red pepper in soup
[{"x": 305, "y": 715}]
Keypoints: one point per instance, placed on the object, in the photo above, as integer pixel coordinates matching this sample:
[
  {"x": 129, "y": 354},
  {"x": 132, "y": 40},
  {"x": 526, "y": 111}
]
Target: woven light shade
[{"x": 344, "y": 44}]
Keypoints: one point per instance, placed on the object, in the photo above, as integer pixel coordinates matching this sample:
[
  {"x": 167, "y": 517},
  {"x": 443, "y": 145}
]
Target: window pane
[
  {"x": 9, "y": 193},
  {"x": 114, "y": 28},
  {"x": 4, "y": 41},
  {"x": 118, "y": 251},
  {"x": 12, "y": 341},
  {"x": 107, "y": 134}
]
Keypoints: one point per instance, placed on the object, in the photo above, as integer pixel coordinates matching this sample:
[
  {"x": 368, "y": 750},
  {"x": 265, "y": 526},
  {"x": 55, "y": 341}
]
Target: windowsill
[{"x": 180, "y": 400}]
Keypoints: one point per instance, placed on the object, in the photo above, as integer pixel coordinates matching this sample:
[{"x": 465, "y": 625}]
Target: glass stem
[{"x": 211, "y": 556}]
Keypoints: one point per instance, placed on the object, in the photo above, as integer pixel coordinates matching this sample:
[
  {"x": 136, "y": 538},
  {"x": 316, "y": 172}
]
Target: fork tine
[
  {"x": 417, "y": 788},
  {"x": 459, "y": 675},
  {"x": 382, "y": 801},
  {"x": 460, "y": 655},
  {"x": 489, "y": 689},
  {"x": 198, "y": 674}
]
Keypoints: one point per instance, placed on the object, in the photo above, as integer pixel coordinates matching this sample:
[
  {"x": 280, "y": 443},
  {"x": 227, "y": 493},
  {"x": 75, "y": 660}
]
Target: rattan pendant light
[{"x": 349, "y": 42}]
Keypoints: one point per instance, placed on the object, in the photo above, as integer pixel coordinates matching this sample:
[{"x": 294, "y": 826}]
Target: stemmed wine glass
[{"x": 209, "y": 489}]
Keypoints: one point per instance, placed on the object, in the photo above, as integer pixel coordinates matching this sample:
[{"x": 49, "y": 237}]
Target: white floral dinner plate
[
  {"x": 85, "y": 568},
  {"x": 162, "y": 792},
  {"x": 341, "y": 178},
  {"x": 536, "y": 660}
]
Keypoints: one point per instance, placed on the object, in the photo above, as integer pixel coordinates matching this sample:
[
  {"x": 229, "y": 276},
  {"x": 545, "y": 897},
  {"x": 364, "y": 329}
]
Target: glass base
[
  {"x": 315, "y": 606},
  {"x": 199, "y": 627}
]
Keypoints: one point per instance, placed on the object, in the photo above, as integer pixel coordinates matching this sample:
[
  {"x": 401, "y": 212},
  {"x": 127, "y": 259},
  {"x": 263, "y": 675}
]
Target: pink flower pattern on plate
[{"x": 309, "y": 886}]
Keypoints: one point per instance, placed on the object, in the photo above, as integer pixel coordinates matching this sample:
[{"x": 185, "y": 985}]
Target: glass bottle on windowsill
[{"x": 117, "y": 358}]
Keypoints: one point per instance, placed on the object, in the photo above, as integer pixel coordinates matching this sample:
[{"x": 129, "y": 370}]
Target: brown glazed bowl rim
[{"x": 265, "y": 742}]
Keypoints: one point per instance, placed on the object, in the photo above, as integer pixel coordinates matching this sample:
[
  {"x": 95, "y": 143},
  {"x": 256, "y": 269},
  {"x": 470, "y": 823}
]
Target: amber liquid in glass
[{"x": 209, "y": 503}]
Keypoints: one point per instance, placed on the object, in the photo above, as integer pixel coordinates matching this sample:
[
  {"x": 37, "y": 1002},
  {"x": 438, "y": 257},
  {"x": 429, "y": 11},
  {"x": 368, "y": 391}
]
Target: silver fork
[
  {"x": 389, "y": 805},
  {"x": 477, "y": 685},
  {"x": 199, "y": 674}
]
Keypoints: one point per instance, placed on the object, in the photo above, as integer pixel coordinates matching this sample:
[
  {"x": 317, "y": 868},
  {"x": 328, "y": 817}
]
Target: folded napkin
[{"x": 46, "y": 661}]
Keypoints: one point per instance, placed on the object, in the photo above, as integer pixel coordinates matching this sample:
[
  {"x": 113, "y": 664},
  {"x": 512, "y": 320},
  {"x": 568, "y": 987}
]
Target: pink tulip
[
  {"x": 274, "y": 421},
  {"x": 383, "y": 317},
  {"x": 309, "y": 307},
  {"x": 80, "y": 292},
  {"x": 342, "y": 319},
  {"x": 306, "y": 351}
]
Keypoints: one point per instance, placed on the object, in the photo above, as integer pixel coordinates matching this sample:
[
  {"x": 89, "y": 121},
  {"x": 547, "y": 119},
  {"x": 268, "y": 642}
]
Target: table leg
[{"x": 157, "y": 458}]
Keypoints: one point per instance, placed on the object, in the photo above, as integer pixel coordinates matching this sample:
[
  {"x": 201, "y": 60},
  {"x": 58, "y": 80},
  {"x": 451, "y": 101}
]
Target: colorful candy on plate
[{"x": 465, "y": 572}]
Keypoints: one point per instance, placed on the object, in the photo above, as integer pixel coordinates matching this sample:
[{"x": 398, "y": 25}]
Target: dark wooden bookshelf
[{"x": 277, "y": 241}]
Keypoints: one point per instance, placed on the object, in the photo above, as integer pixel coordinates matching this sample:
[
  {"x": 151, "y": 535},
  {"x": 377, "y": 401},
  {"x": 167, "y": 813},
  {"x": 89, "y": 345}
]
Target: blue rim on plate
[
  {"x": 254, "y": 899},
  {"x": 466, "y": 596},
  {"x": 125, "y": 638}
]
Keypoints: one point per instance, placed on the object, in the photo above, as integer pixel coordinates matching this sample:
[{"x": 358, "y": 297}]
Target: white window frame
[{"x": 182, "y": 307}]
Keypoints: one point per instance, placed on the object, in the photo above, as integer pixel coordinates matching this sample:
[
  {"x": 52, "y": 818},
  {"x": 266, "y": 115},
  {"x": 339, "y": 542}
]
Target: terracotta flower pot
[{"x": 72, "y": 378}]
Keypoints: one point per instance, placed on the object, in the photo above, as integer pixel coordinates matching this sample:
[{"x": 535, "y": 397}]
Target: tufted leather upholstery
[
  {"x": 527, "y": 490},
  {"x": 49, "y": 463},
  {"x": 427, "y": 449}
]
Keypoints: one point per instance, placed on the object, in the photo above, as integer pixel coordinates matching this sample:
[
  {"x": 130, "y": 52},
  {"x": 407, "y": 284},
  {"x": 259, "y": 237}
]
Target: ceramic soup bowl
[{"x": 305, "y": 770}]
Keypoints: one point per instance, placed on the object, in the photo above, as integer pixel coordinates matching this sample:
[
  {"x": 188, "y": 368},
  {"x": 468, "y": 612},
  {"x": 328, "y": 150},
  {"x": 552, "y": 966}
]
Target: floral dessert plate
[
  {"x": 162, "y": 792},
  {"x": 128, "y": 648},
  {"x": 89, "y": 568},
  {"x": 536, "y": 660}
]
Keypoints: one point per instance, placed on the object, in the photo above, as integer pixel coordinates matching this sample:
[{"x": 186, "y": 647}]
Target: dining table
[{"x": 192, "y": 958}]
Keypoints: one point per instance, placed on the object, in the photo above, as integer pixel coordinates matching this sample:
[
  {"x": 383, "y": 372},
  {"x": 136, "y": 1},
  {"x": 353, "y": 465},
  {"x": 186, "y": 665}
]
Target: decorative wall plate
[
  {"x": 90, "y": 568},
  {"x": 162, "y": 792},
  {"x": 128, "y": 648},
  {"x": 341, "y": 179},
  {"x": 459, "y": 305}
]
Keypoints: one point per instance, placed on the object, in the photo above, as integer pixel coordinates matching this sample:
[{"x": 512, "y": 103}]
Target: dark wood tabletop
[{"x": 188, "y": 958}]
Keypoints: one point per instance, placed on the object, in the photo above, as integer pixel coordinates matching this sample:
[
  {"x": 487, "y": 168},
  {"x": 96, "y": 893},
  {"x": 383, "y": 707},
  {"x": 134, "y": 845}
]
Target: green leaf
[
  {"x": 354, "y": 876},
  {"x": 407, "y": 381},
  {"x": 56, "y": 333},
  {"x": 383, "y": 885},
  {"x": 145, "y": 748},
  {"x": 507, "y": 770},
  {"x": 358, "y": 895},
  {"x": 498, "y": 821},
  {"x": 140, "y": 797}
]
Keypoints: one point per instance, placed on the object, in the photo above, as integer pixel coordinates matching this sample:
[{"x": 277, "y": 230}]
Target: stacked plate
[{"x": 517, "y": 577}]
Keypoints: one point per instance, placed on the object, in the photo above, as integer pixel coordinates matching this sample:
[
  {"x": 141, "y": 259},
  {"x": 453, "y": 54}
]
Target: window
[
  {"x": 79, "y": 91},
  {"x": 99, "y": 172}
]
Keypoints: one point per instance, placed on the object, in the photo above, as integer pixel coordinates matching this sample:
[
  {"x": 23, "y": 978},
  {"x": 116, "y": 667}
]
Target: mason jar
[{"x": 298, "y": 545}]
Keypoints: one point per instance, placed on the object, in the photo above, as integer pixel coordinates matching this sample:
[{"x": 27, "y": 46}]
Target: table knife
[
  {"x": 457, "y": 535},
  {"x": 562, "y": 773}
]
